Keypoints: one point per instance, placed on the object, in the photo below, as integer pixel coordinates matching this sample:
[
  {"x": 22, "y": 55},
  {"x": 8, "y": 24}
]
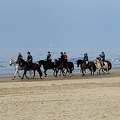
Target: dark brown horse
[
  {"x": 68, "y": 66},
  {"x": 91, "y": 66},
  {"x": 58, "y": 67},
  {"x": 27, "y": 67}
]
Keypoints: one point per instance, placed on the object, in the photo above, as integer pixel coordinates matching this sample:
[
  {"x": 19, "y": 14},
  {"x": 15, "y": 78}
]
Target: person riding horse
[
  {"x": 62, "y": 59},
  {"x": 101, "y": 58},
  {"x": 85, "y": 58},
  {"x": 49, "y": 58},
  {"x": 65, "y": 58},
  {"x": 18, "y": 59},
  {"x": 30, "y": 60}
]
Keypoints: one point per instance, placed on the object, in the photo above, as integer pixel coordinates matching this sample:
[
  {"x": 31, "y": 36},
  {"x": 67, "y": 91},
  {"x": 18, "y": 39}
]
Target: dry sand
[{"x": 71, "y": 98}]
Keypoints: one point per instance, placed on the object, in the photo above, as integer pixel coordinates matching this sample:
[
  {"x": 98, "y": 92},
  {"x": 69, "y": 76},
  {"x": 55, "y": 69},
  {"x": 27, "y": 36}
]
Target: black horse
[
  {"x": 69, "y": 66},
  {"x": 91, "y": 66},
  {"x": 27, "y": 67},
  {"x": 59, "y": 66},
  {"x": 46, "y": 66}
]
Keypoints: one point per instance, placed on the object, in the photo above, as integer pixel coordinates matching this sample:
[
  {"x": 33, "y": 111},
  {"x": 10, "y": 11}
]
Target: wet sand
[{"x": 58, "y": 98}]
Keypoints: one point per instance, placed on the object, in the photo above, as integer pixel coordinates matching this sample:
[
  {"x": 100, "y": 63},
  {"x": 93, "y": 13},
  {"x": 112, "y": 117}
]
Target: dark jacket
[{"x": 29, "y": 58}]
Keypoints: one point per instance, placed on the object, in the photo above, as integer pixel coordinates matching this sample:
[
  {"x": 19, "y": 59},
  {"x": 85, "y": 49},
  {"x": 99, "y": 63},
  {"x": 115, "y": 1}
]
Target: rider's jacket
[
  {"x": 49, "y": 58},
  {"x": 29, "y": 58}
]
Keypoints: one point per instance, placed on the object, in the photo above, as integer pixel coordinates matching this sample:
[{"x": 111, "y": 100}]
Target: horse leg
[
  {"x": 18, "y": 73},
  {"x": 56, "y": 72},
  {"x": 103, "y": 70},
  {"x": 14, "y": 75},
  {"x": 33, "y": 74},
  {"x": 25, "y": 74},
  {"x": 93, "y": 72},
  {"x": 45, "y": 73},
  {"x": 70, "y": 71},
  {"x": 53, "y": 72},
  {"x": 40, "y": 72},
  {"x": 83, "y": 73},
  {"x": 30, "y": 73},
  {"x": 60, "y": 73}
]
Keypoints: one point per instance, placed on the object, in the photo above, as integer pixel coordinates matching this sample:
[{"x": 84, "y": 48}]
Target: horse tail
[
  {"x": 77, "y": 64},
  {"x": 41, "y": 74},
  {"x": 94, "y": 68},
  {"x": 72, "y": 66},
  {"x": 109, "y": 65}
]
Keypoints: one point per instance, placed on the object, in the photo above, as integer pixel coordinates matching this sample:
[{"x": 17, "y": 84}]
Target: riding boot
[{"x": 87, "y": 65}]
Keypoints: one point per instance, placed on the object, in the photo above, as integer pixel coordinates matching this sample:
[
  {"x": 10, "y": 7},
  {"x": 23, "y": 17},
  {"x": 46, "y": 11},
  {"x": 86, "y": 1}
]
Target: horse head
[
  {"x": 42, "y": 62},
  {"x": 22, "y": 62},
  {"x": 79, "y": 62},
  {"x": 12, "y": 61}
]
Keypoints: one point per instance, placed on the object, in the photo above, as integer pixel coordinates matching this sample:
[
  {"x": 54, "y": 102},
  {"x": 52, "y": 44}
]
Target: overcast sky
[{"x": 62, "y": 23}]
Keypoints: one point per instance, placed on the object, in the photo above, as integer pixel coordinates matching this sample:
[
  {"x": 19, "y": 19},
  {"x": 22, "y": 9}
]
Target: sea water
[{"x": 112, "y": 54}]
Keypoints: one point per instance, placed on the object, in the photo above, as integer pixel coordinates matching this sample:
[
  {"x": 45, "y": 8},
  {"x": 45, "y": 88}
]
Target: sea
[{"x": 112, "y": 54}]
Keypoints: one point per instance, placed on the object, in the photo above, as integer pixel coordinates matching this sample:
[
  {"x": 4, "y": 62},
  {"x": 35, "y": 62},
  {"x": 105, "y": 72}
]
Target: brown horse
[
  {"x": 58, "y": 67},
  {"x": 66, "y": 67},
  {"x": 27, "y": 67},
  {"x": 91, "y": 66}
]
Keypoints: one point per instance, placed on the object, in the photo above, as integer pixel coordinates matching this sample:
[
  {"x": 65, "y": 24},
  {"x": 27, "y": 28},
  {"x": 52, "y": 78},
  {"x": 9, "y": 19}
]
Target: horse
[
  {"x": 106, "y": 66},
  {"x": 17, "y": 68},
  {"x": 59, "y": 67},
  {"x": 47, "y": 66},
  {"x": 27, "y": 67},
  {"x": 91, "y": 66},
  {"x": 68, "y": 66}
]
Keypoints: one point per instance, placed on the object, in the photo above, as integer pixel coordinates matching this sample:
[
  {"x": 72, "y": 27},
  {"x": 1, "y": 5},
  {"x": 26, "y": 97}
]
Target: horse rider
[
  {"x": 49, "y": 58},
  {"x": 65, "y": 58},
  {"x": 19, "y": 58},
  {"x": 102, "y": 55},
  {"x": 30, "y": 60},
  {"x": 85, "y": 58},
  {"x": 62, "y": 58}
]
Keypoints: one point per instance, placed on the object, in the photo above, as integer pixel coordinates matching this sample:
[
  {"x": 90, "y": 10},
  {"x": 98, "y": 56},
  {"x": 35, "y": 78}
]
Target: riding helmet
[{"x": 28, "y": 52}]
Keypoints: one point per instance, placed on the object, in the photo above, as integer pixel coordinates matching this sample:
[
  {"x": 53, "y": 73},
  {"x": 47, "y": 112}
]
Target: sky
[{"x": 59, "y": 23}]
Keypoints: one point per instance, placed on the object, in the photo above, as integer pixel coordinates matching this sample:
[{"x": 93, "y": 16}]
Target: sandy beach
[{"x": 71, "y": 98}]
